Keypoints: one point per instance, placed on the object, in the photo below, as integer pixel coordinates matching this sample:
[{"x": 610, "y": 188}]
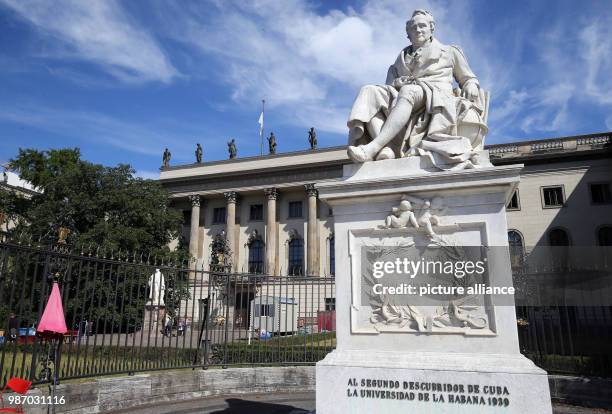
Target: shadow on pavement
[{"x": 238, "y": 406}]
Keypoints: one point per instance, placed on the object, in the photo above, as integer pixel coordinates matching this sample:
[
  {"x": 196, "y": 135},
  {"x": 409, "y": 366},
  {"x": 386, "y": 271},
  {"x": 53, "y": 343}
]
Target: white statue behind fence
[{"x": 157, "y": 289}]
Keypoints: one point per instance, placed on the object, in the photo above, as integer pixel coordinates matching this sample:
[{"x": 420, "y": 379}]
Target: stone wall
[
  {"x": 106, "y": 394},
  {"x": 101, "y": 395}
]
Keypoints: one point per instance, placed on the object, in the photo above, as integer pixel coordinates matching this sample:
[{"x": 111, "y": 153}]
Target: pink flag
[{"x": 53, "y": 321}]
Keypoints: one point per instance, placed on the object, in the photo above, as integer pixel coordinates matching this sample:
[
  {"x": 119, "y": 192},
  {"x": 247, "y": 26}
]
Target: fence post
[{"x": 227, "y": 314}]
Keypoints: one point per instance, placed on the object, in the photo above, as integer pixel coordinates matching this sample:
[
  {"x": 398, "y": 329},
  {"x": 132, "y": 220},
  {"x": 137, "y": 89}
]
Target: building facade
[
  {"x": 267, "y": 207},
  {"x": 11, "y": 183}
]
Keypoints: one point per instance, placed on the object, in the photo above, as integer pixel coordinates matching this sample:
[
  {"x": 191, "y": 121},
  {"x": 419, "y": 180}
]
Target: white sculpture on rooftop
[{"x": 419, "y": 112}]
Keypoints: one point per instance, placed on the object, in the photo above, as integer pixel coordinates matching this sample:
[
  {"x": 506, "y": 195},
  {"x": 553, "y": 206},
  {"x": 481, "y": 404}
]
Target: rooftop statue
[
  {"x": 166, "y": 158},
  {"x": 231, "y": 147},
  {"x": 418, "y": 112},
  {"x": 272, "y": 143},
  {"x": 312, "y": 138},
  {"x": 198, "y": 153}
]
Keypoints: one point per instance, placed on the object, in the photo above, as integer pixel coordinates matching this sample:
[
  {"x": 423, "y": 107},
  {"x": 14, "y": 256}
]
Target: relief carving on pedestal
[{"x": 431, "y": 233}]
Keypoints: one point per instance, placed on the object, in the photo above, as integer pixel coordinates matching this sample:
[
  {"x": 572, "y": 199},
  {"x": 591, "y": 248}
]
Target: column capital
[
  {"x": 311, "y": 190},
  {"x": 231, "y": 196},
  {"x": 271, "y": 193},
  {"x": 195, "y": 200}
]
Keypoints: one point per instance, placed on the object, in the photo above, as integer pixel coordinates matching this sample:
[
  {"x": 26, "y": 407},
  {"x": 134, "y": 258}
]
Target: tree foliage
[{"x": 105, "y": 206}]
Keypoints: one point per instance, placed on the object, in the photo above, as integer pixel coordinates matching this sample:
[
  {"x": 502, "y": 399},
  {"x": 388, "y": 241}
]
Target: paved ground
[{"x": 295, "y": 403}]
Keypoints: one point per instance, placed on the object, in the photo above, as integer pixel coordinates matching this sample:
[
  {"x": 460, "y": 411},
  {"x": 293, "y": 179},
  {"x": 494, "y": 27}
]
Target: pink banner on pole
[{"x": 53, "y": 321}]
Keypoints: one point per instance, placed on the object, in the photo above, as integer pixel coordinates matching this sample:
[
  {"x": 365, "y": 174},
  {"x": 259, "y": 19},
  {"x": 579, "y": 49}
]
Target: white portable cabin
[{"x": 274, "y": 314}]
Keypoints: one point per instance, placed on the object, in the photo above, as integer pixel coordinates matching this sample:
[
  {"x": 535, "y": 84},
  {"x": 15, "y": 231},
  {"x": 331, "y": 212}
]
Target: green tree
[
  {"x": 105, "y": 206},
  {"x": 106, "y": 209}
]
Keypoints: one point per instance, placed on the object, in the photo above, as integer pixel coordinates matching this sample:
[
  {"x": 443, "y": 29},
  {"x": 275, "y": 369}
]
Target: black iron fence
[{"x": 129, "y": 313}]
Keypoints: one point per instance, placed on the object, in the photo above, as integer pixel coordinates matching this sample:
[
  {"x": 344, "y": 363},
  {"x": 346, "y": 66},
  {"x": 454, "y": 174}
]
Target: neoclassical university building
[{"x": 267, "y": 206}]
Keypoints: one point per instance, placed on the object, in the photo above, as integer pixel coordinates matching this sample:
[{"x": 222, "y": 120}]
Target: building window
[
  {"x": 296, "y": 257},
  {"x": 604, "y": 236},
  {"x": 330, "y": 304},
  {"x": 295, "y": 209},
  {"x": 264, "y": 311},
  {"x": 219, "y": 215},
  {"x": 558, "y": 237},
  {"x": 553, "y": 196},
  {"x": 600, "y": 193},
  {"x": 256, "y": 256},
  {"x": 513, "y": 204},
  {"x": 515, "y": 244},
  {"x": 330, "y": 212},
  {"x": 332, "y": 256},
  {"x": 256, "y": 213}
]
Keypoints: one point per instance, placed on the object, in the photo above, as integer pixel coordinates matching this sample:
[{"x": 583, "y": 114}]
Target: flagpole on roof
[{"x": 261, "y": 126}]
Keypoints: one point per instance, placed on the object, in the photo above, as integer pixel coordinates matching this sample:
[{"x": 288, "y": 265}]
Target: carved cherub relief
[{"x": 404, "y": 216}]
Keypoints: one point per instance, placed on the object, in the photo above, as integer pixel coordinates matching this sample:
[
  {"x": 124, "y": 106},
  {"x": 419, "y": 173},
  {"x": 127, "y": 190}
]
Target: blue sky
[{"x": 122, "y": 80}]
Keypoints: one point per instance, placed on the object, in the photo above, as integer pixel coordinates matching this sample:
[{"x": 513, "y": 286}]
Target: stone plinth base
[
  {"x": 154, "y": 318},
  {"x": 361, "y": 382}
]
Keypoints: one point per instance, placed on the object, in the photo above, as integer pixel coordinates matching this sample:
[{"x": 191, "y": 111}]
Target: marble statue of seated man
[{"x": 419, "y": 112}]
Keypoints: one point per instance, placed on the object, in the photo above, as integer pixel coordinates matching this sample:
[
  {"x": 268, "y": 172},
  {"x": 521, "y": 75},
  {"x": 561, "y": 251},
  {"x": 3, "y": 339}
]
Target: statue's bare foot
[
  {"x": 358, "y": 154},
  {"x": 385, "y": 154}
]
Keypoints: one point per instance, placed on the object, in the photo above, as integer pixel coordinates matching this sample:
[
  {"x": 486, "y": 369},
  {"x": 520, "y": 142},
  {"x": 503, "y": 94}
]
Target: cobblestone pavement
[{"x": 295, "y": 403}]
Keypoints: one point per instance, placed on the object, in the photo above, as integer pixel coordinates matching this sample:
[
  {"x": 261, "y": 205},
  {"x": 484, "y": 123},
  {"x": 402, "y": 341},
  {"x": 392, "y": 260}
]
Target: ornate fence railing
[{"x": 127, "y": 313}]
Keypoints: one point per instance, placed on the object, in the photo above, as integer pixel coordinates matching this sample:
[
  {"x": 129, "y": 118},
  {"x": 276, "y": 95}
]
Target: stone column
[
  {"x": 230, "y": 225},
  {"x": 312, "y": 241},
  {"x": 271, "y": 236},
  {"x": 194, "y": 240}
]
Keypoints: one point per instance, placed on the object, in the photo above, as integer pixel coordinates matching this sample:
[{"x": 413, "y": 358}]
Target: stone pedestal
[
  {"x": 154, "y": 318},
  {"x": 405, "y": 358}
]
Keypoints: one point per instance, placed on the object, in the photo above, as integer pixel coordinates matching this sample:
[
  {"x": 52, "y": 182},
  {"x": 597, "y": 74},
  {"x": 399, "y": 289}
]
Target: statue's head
[
  {"x": 405, "y": 205},
  {"x": 420, "y": 27}
]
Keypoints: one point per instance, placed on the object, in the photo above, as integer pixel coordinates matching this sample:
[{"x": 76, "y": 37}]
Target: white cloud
[
  {"x": 307, "y": 65},
  {"x": 595, "y": 53},
  {"x": 101, "y": 130},
  {"x": 609, "y": 122},
  {"x": 571, "y": 72},
  {"x": 100, "y": 32}
]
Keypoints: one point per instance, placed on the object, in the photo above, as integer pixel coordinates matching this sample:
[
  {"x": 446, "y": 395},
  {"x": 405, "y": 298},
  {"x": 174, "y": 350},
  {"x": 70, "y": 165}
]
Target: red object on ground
[
  {"x": 327, "y": 320},
  {"x": 26, "y": 339},
  {"x": 53, "y": 322},
  {"x": 18, "y": 385}
]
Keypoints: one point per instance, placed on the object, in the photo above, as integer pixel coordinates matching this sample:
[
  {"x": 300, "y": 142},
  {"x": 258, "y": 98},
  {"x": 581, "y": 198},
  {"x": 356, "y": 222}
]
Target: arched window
[
  {"x": 515, "y": 243},
  {"x": 296, "y": 257},
  {"x": 559, "y": 240},
  {"x": 332, "y": 256},
  {"x": 558, "y": 237},
  {"x": 256, "y": 256},
  {"x": 604, "y": 236}
]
